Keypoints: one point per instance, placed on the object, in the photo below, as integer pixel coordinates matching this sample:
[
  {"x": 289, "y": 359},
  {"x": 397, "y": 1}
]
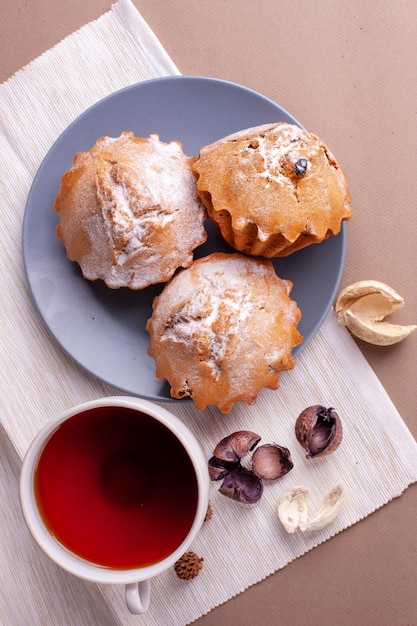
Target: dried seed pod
[
  {"x": 328, "y": 510},
  {"x": 377, "y": 333},
  {"x": 319, "y": 430},
  {"x": 188, "y": 565},
  {"x": 235, "y": 446},
  {"x": 368, "y": 298},
  {"x": 293, "y": 509},
  {"x": 270, "y": 461},
  {"x": 242, "y": 485},
  {"x": 219, "y": 468},
  {"x": 209, "y": 512},
  {"x": 239, "y": 483},
  {"x": 363, "y": 306}
]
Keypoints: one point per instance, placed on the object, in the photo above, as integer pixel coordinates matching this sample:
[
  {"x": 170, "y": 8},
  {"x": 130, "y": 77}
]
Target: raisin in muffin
[
  {"x": 129, "y": 211},
  {"x": 272, "y": 189},
  {"x": 223, "y": 329}
]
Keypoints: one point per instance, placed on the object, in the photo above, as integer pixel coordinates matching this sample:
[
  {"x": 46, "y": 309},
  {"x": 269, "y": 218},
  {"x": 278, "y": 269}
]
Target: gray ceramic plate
[{"x": 103, "y": 330}]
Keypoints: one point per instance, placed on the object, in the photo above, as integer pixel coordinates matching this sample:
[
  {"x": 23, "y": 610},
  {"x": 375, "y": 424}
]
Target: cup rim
[{"x": 61, "y": 555}]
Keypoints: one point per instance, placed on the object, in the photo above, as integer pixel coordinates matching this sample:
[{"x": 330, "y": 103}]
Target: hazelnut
[{"x": 318, "y": 430}]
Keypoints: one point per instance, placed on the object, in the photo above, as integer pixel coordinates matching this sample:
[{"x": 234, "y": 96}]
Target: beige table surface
[{"x": 348, "y": 72}]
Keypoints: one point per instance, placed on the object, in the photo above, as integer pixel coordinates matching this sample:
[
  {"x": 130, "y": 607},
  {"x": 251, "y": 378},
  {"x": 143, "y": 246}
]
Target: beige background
[{"x": 348, "y": 72}]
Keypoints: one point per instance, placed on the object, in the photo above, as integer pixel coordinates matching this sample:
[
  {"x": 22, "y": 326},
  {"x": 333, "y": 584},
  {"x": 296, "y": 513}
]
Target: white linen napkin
[{"x": 240, "y": 546}]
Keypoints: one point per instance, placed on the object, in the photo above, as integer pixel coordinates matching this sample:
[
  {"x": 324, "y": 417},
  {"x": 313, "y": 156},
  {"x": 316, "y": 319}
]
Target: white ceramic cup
[{"x": 136, "y": 581}]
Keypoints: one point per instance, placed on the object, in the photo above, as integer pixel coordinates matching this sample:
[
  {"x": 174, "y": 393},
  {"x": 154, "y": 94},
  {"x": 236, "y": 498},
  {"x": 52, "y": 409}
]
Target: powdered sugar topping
[
  {"x": 132, "y": 202},
  {"x": 275, "y": 147},
  {"x": 212, "y": 316},
  {"x": 217, "y": 314}
]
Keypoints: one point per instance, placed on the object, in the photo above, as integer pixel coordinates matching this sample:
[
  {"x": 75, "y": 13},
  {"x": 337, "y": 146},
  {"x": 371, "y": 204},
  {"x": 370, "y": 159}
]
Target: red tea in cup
[{"x": 116, "y": 487}]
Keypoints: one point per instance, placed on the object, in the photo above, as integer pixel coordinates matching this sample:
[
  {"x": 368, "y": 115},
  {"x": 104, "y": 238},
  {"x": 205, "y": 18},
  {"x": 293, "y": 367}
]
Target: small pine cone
[
  {"x": 209, "y": 512},
  {"x": 188, "y": 565}
]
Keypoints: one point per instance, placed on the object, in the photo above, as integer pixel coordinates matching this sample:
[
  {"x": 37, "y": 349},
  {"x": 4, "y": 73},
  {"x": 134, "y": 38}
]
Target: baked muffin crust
[
  {"x": 272, "y": 189},
  {"x": 223, "y": 329},
  {"x": 129, "y": 211}
]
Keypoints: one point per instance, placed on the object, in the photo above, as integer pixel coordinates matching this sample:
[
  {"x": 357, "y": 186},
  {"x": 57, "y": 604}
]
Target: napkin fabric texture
[{"x": 240, "y": 545}]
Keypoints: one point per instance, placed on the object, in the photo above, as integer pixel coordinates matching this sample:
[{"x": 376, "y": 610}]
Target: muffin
[
  {"x": 129, "y": 211},
  {"x": 223, "y": 329},
  {"x": 272, "y": 189}
]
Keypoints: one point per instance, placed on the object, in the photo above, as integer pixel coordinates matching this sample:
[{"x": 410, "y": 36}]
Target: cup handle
[{"x": 138, "y": 596}]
